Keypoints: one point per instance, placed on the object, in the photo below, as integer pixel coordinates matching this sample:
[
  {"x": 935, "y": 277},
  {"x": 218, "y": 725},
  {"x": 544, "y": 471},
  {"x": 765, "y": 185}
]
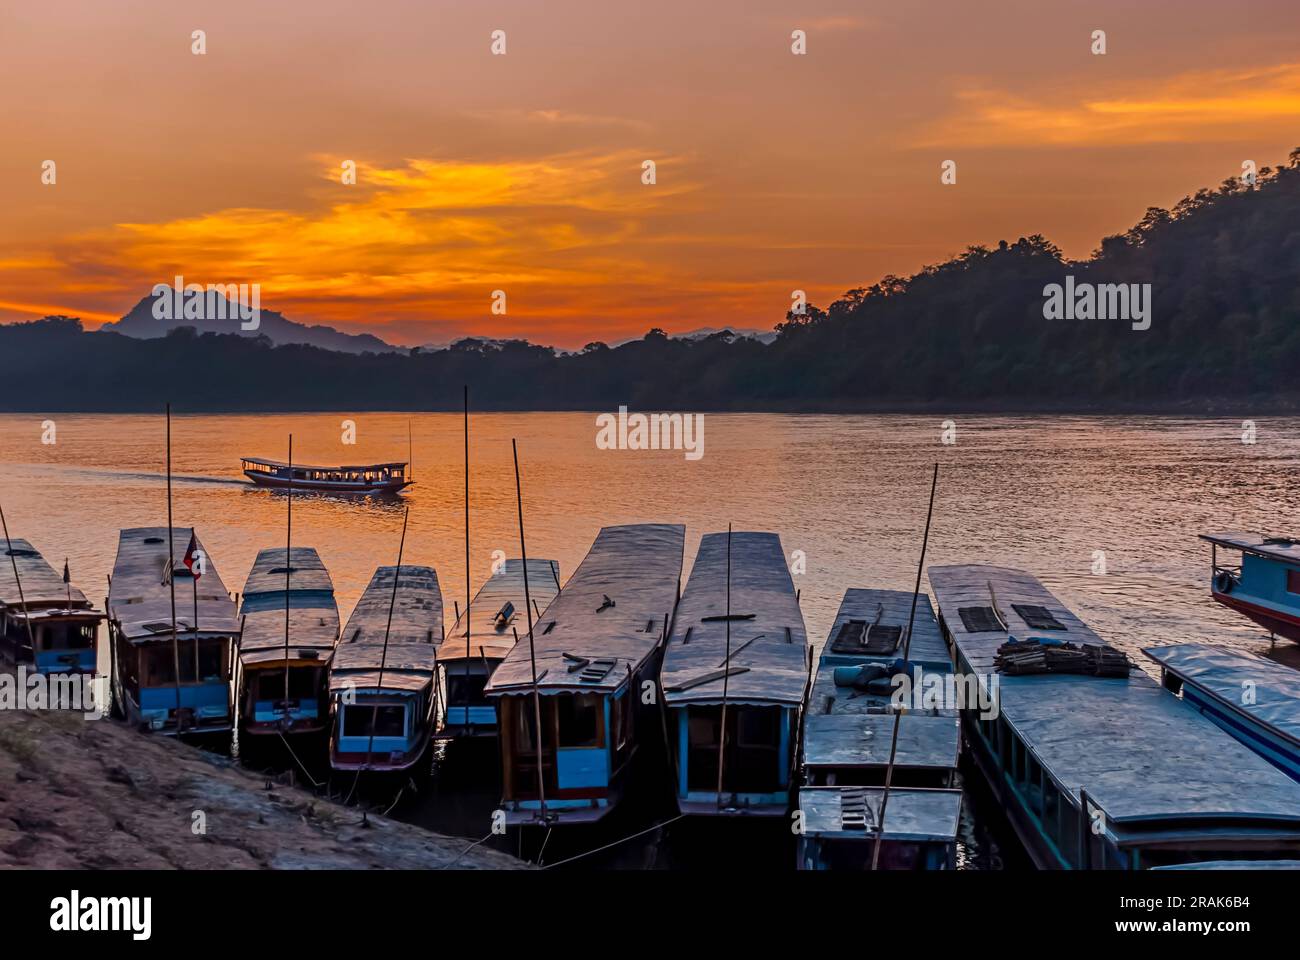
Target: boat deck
[{"x": 410, "y": 659}]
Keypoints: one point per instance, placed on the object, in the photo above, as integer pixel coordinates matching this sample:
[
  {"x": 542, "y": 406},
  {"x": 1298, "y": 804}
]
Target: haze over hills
[
  {"x": 140, "y": 322},
  {"x": 1213, "y": 282}
]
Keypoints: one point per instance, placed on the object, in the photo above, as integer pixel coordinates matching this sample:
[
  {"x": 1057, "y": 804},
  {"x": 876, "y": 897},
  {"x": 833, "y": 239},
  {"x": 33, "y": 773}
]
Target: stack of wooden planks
[{"x": 1021, "y": 657}]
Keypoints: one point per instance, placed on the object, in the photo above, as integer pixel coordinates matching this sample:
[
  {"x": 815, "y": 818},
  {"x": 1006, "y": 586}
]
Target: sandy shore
[{"x": 95, "y": 794}]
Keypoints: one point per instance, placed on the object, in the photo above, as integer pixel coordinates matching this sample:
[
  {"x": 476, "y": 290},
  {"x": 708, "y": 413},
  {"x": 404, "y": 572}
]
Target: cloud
[{"x": 1200, "y": 106}]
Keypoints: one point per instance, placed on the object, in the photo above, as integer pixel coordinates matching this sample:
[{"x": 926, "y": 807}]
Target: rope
[
  {"x": 317, "y": 784},
  {"x": 452, "y": 863},
  {"x": 650, "y": 829}
]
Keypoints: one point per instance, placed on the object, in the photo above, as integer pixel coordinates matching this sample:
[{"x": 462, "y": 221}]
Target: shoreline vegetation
[
  {"x": 968, "y": 335},
  {"x": 94, "y": 794}
]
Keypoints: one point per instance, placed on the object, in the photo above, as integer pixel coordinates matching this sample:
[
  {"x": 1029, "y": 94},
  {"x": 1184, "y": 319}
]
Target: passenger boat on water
[
  {"x": 1102, "y": 772},
  {"x": 283, "y": 680},
  {"x": 483, "y": 635},
  {"x": 145, "y": 649},
  {"x": 848, "y": 731},
  {"x": 596, "y": 646},
  {"x": 1255, "y": 700},
  {"x": 739, "y": 588},
  {"x": 382, "y": 682},
  {"x": 46, "y": 623},
  {"x": 360, "y": 478},
  {"x": 1265, "y": 585}
]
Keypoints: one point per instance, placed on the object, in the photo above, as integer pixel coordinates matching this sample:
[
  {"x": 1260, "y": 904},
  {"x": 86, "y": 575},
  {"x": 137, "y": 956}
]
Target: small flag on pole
[
  {"x": 67, "y": 577},
  {"x": 192, "y": 554}
]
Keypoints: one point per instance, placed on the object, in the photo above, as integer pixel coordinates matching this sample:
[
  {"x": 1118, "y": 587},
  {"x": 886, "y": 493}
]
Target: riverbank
[{"x": 93, "y": 794}]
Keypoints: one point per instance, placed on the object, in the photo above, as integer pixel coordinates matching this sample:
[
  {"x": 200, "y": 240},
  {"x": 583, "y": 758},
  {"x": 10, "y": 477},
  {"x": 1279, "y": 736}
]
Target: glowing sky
[{"x": 522, "y": 172}]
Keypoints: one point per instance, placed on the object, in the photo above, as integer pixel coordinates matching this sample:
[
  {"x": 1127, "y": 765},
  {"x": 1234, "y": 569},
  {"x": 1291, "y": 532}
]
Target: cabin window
[
  {"x": 69, "y": 637},
  {"x": 579, "y": 720},
  {"x": 386, "y": 720},
  {"x": 463, "y": 689},
  {"x": 1293, "y": 581},
  {"x": 621, "y": 718},
  {"x": 303, "y": 684}
]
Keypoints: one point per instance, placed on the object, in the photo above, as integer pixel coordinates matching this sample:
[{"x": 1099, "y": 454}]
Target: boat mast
[
  {"x": 907, "y": 647},
  {"x": 171, "y": 574},
  {"x": 288, "y": 568},
  {"x": 31, "y": 641},
  {"x": 383, "y": 657},
  {"x": 468, "y": 601},
  {"x": 532, "y": 653},
  {"x": 410, "y": 447},
  {"x": 726, "y": 672}
]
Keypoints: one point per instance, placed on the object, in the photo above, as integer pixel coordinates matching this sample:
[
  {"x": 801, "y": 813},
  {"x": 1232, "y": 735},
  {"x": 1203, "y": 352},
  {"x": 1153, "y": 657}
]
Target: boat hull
[
  {"x": 1274, "y": 621},
  {"x": 280, "y": 483}
]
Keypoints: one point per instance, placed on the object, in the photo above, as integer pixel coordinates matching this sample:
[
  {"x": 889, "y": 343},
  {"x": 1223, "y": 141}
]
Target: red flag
[{"x": 191, "y": 560}]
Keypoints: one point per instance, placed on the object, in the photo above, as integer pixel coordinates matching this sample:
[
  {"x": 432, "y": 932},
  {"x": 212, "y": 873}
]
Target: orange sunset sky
[{"x": 523, "y": 172}]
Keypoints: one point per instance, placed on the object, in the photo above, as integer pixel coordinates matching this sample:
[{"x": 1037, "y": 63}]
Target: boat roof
[
  {"x": 1273, "y": 547},
  {"x": 1233, "y": 865},
  {"x": 492, "y": 640},
  {"x": 893, "y": 607},
  {"x": 1223, "y": 673},
  {"x": 413, "y": 638},
  {"x": 42, "y": 585},
  {"x": 139, "y": 598},
  {"x": 1141, "y": 754},
  {"x": 771, "y": 647},
  {"x": 306, "y": 572},
  {"x": 308, "y": 466},
  {"x": 863, "y": 740},
  {"x": 637, "y": 566},
  {"x": 912, "y": 814}
]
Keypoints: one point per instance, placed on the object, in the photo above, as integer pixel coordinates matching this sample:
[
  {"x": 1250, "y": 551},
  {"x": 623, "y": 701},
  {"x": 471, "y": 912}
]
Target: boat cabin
[
  {"x": 1100, "y": 772},
  {"x": 147, "y": 651},
  {"x": 596, "y": 647},
  {"x": 759, "y": 685},
  {"x": 1253, "y": 699},
  {"x": 862, "y": 687},
  {"x": 283, "y": 679},
  {"x": 48, "y": 625},
  {"x": 361, "y": 478},
  {"x": 1264, "y": 585},
  {"x": 482, "y": 636},
  {"x": 381, "y": 683}
]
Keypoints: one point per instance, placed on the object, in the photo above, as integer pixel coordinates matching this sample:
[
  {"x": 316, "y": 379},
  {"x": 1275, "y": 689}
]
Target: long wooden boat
[
  {"x": 471, "y": 653},
  {"x": 596, "y": 646},
  {"x": 848, "y": 730},
  {"x": 1265, "y": 585},
  {"x": 1256, "y": 701},
  {"x": 763, "y": 682},
  {"x": 1103, "y": 773},
  {"x": 283, "y": 679},
  {"x": 383, "y": 686},
  {"x": 359, "y": 478},
  {"x": 145, "y": 683},
  {"x": 47, "y": 625}
]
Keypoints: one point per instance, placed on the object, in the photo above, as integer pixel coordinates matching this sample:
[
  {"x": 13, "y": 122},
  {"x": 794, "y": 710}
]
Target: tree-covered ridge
[{"x": 1224, "y": 266}]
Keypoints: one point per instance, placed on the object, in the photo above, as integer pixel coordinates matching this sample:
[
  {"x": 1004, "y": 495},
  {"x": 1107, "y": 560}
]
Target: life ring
[{"x": 1224, "y": 581}]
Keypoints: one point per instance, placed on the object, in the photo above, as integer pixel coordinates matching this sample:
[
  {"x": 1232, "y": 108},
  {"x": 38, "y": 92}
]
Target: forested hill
[{"x": 1224, "y": 269}]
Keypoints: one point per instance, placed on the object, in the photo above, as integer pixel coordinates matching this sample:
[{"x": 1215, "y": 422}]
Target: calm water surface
[{"x": 1045, "y": 493}]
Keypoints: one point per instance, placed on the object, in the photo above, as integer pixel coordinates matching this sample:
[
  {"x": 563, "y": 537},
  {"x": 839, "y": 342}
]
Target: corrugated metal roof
[
  {"x": 412, "y": 641},
  {"x": 638, "y": 567},
  {"x": 912, "y": 814},
  {"x": 307, "y": 572},
  {"x": 863, "y": 740},
  {"x": 1279, "y": 548},
  {"x": 43, "y": 586},
  {"x": 1224, "y": 673},
  {"x": 310, "y": 466},
  {"x": 491, "y": 639},
  {"x": 1139, "y": 752},
  {"x": 140, "y": 598},
  {"x": 771, "y": 646},
  {"x": 313, "y": 614}
]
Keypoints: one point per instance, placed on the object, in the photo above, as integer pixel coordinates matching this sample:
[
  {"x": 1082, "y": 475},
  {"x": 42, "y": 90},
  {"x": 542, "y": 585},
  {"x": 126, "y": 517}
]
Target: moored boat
[
  {"x": 382, "y": 682},
  {"x": 360, "y": 478},
  {"x": 1256, "y": 701},
  {"x": 596, "y": 646},
  {"x": 283, "y": 675},
  {"x": 146, "y": 651},
  {"x": 46, "y": 623},
  {"x": 481, "y": 638},
  {"x": 739, "y": 587},
  {"x": 1265, "y": 585},
  {"x": 848, "y": 731},
  {"x": 1095, "y": 771}
]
